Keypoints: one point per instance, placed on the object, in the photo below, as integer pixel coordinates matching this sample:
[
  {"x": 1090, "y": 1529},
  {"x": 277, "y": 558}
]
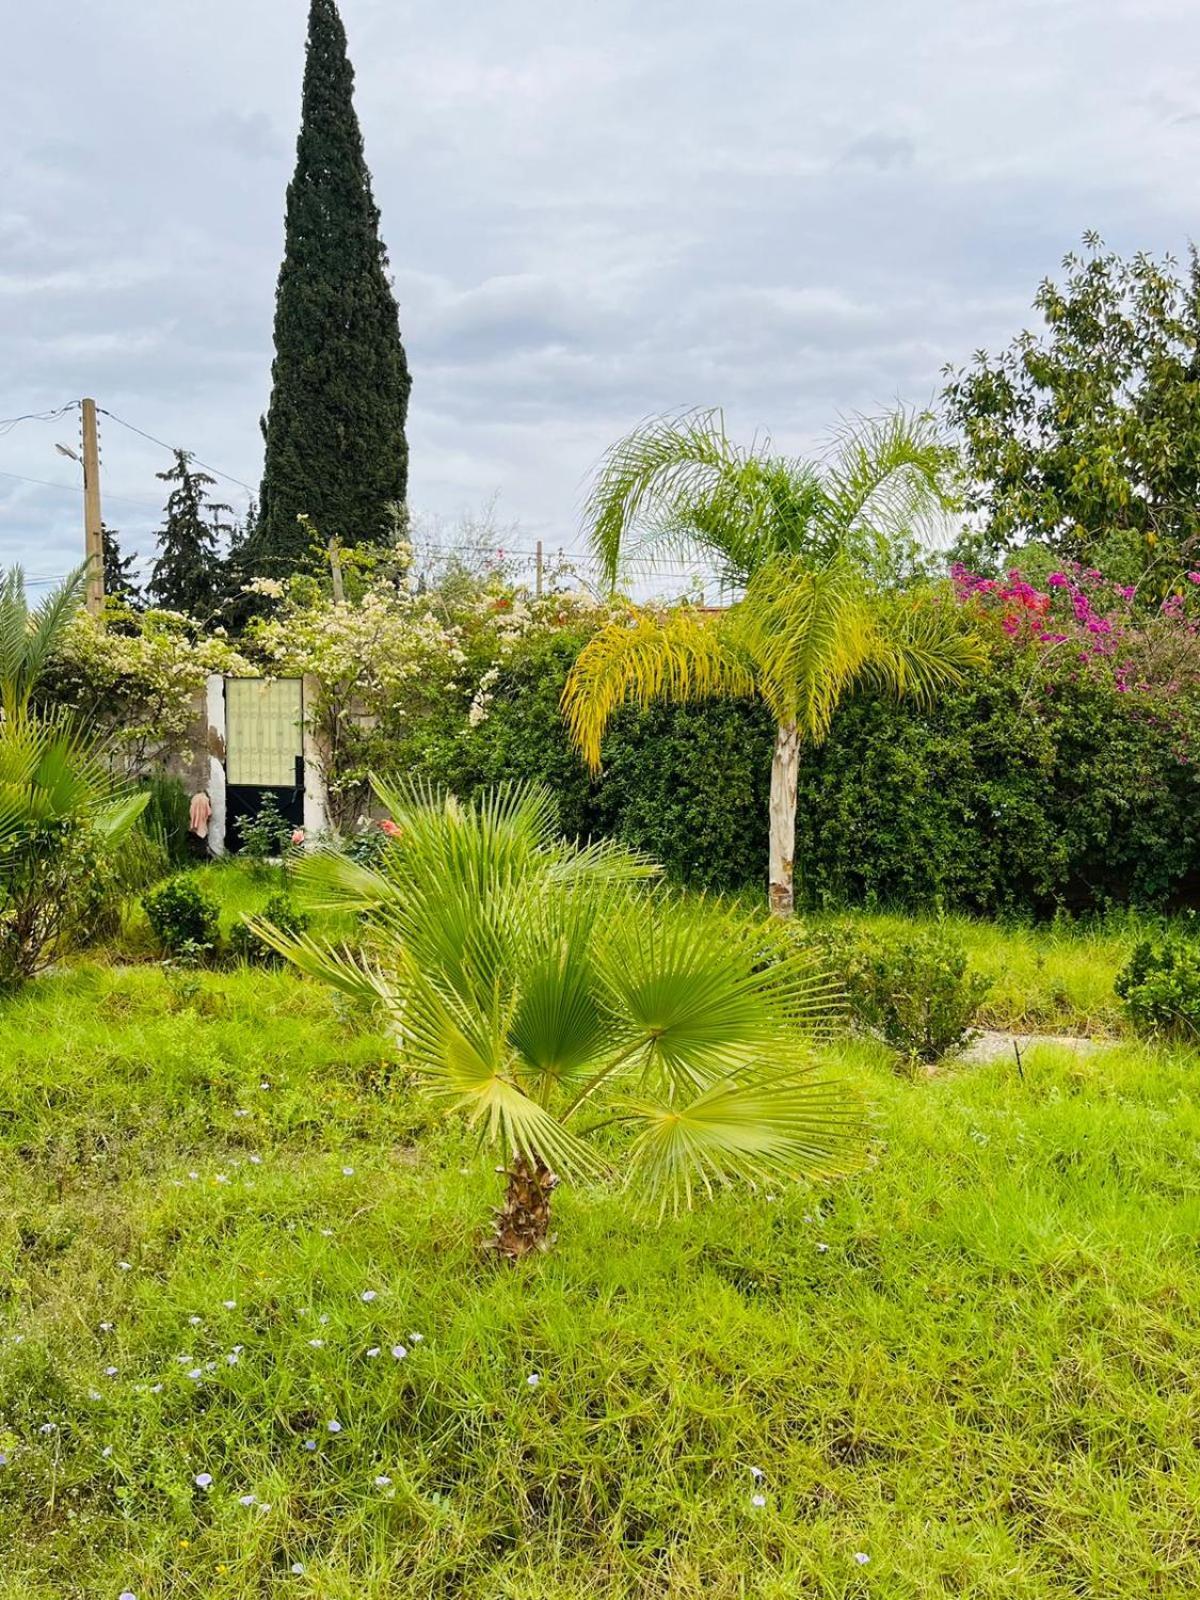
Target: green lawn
[{"x": 976, "y": 1363}]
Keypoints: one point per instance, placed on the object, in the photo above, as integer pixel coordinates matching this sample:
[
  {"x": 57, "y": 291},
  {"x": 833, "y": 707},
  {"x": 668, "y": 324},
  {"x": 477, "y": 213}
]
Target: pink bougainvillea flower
[
  {"x": 392, "y": 830},
  {"x": 298, "y": 836}
]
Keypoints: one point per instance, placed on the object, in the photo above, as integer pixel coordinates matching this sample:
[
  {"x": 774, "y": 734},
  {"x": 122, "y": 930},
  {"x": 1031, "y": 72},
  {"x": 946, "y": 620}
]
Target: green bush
[
  {"x": 267, "y": 834},
  {"x": 1160, "y": 987},
  {"x": 1001, "y": 798},
  {"x": 185, "y": 918},
  {"x": 167, "y": 816},
  {"x": 246, "y": 946},
  {"x": 913, "y": 991}
]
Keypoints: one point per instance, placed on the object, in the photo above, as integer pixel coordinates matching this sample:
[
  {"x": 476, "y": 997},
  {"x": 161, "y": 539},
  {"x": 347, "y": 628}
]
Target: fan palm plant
[
  {"x": 555, "y": 994},
  {"x": 59, "y": 808},
  {"x": 813, "y": 550}
]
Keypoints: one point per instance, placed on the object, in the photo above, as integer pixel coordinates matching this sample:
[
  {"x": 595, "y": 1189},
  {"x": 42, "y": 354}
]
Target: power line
[
  {"x": 7, "y": 424},
  {"x": 174, "y": 449},
  {"x": 75, "y": 488}
]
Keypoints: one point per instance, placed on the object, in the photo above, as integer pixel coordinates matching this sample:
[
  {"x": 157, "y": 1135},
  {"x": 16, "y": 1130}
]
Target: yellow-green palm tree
[{"x": 813, "y": 549}]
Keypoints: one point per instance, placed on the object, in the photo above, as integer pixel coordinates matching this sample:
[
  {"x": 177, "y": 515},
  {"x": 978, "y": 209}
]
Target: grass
[
  {"x": 976, "y": 1362},
  {"x": 1055, "y": 978}
]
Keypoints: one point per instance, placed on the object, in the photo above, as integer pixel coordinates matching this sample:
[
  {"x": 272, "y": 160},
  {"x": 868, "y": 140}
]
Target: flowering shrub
[
  {"x": 396, "y": 669},
  {"x": 1084, "y": 621},
  {"x": 134, "y": 678}
]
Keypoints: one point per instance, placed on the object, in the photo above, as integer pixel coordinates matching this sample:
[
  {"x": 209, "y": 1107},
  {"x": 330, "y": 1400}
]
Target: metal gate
[{"x": 264, "y": 751}]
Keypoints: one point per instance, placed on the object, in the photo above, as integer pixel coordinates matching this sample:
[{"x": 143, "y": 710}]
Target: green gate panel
[{"x": 263, "y": 731}]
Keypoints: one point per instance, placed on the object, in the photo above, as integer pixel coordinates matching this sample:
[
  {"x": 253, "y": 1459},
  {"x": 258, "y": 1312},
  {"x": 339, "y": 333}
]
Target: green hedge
[{"x": 1001, "y": 798}]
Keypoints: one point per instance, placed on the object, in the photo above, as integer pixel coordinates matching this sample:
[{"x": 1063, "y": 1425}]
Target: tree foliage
[
  {"x": 120, "y": 584},
  {"x": 335, "y": 431},
  {"x": 135, "y": 678},
  {"x": 678, "y": 485},
  {"x": 187, "y": 575},
  {"x": 1085, "y": 434}
]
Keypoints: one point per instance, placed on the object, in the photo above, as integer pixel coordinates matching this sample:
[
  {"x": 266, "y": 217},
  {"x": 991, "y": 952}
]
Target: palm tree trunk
[
  {"x": 785, "y": 768},
  {"x": 523, "y": 1221}
]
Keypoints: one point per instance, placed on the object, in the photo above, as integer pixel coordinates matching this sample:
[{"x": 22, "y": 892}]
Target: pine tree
[
  {"x": 119, "y": 581},
  {"x": 335, "y": 443},
  {"x": 187, "y": 575}
]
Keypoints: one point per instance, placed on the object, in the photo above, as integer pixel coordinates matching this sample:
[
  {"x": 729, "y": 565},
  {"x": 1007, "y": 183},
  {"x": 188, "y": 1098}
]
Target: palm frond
[
  {"x": 809, "y": 631},
  {"x": 677, "y": 485},
  {"x": 331, "y": 881},
  {"x": 650, "y": 482},
  {"x": 681, "y": 657},
  {"x": 463, "y": 1052},
  {"x": 921, "y": 648},
  {"x": 51, "y": 770},
  {"x": 115, "y": 820},
  {"x": 28, "y": 637},
  {"x": 762, "y": 1125},
  {"x": 342, "y": 968},
  {"x": 889, "y": 479},
  {"x": 690, "y": 1002},
  {"x": 602, "y": 861}
]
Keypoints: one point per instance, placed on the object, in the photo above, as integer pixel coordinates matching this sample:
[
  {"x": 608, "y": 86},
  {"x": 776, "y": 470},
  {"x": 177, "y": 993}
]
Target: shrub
[
  {"x": 913, "y": 991},
  {"x": 135, "y": 679},
  {"x": 62, "y": 824},
  {"x": 167, "y": 816},
  {"x": 246, "y": 945},
  {"x": 1160, "y": 987},
  {"x": 266, "y": 835},
  {"x": 184, "y": 917}
]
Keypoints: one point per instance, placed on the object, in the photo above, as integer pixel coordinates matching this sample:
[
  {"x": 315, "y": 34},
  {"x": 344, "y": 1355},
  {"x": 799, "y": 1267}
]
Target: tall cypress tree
[
  {"x": 188, "y": 574},
  {"x": 335, "y": 444}
]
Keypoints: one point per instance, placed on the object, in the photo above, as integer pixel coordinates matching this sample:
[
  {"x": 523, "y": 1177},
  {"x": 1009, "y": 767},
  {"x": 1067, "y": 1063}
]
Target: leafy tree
[
  {"x": 335, "y": 441},
  {"x": 1085, "y": 435},
  {"x": 815, "y": 621},
  {"x": 188, "y": 576},
  {"x": 550, "y": 992},
  {"x": 119, "y": 582}
]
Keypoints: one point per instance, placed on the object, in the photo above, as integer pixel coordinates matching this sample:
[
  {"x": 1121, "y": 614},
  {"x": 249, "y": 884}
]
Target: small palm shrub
[
  {"x": 583, "y": 1019},
  {"x": 1160, "y": 987},
  {"x": 246, "y": 944},
  {"x": 185, "y": 918},
  {"x": 61, "y": 822},
  {"x": 61, "y": 815}
]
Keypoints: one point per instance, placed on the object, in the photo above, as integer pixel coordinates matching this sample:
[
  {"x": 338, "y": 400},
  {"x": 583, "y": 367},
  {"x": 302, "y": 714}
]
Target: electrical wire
[
  {"x": 74, "y": 488},
  {"x": 174, "y": 449},
  {"x": 7, "y": 424}
]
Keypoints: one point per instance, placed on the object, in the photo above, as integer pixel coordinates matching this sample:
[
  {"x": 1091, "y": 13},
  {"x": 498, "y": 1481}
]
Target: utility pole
[
  {"x": 93, "y": 525},
  {"x": 538, "y": 589}
]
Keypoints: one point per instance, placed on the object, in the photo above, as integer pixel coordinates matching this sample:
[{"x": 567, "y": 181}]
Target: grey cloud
[
  {"x": 592, "y": 212},
  {"x": 883, "y": 151}
]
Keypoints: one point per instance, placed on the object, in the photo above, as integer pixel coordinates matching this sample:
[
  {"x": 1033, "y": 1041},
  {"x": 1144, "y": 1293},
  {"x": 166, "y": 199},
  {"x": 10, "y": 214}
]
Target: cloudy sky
[{"x": 595, "y": 209}]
